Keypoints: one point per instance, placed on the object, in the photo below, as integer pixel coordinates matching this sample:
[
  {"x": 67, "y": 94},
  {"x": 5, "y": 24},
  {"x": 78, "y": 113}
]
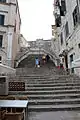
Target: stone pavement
[{"x": 59, "y": 115}]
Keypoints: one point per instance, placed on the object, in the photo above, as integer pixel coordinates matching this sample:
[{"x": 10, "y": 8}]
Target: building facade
[
  {"x": 55, "y": 41},
  {"x": 9, "y": 31},
  {"x": 67, "y": 20}
]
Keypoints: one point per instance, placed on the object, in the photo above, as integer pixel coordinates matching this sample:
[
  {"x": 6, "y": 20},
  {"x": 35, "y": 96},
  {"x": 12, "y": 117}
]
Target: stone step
[
  {"x": 46, "y": 92},
  {"x": 49, "y": 79},
  {"x": 28, "y": 75},
  {"x": 49, "y": 97},
  {"x": 52, "y": 85},
  {"x": 54, "y": 101},
  {"x": 33, "y": 76},
  {"x": 31, "y": 79},
  {"x": 54, "y": 91},
  {"x": 52, "y": 88},
  {"x": 50, "y": 82},
  {"x": 67, "y": 76},
  {"x": 56, "y": 96},
  {"x": 44, "y": 80},
  {"x": 43, "y": 77},
  {"x": 41, "y": 108},
  {"x": 25, "y": 77}
]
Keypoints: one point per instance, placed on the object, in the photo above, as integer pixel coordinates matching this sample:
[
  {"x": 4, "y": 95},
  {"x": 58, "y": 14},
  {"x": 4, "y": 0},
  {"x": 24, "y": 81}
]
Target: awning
[{"x": 13, "y": 103}]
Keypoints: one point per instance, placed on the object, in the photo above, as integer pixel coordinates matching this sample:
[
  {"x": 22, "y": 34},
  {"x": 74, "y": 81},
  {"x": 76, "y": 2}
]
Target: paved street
[{"x": 60, "y": 115}]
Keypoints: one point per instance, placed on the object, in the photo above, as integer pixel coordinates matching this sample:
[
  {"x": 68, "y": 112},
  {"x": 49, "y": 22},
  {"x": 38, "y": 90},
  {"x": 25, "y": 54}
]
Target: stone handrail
[{"x": 6, "y": 70}]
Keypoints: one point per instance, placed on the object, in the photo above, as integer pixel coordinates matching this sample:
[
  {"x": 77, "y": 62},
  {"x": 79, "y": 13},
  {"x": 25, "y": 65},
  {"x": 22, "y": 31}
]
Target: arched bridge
[{"x": 36, "y": 52}]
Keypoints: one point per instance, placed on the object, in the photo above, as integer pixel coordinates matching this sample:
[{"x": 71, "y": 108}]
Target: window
[
  {"x": 75, "y": 16},
  {"x": 58, "y": 20},
  {"x": 72, "y": 70},
  {"x": 63, "y": 4},
  {"x": 15, "y": 26},
  {"x": 63, "y": 60},
  {"x": 66, "y": 44},
  {"x": 79, "y": 45},
  {"x": 0, "y": 59},
  {"x": 1, "y": 19},
  {"x": 71, "y": 58},
  {"x": 62, "y": 8},
  {"x": 66, "y": 30},
  {"x": 1, "y": 38},
  {"x": 61, "y": 38},
  {"x": 2, "y": 0}
]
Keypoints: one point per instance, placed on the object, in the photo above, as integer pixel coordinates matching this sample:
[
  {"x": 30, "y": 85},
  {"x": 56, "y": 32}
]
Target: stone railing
[{"x": 6, "y": 70}]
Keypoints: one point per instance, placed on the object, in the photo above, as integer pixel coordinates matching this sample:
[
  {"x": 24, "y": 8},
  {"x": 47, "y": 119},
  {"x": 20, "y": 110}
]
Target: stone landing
[{"x": 60, "y": 115}]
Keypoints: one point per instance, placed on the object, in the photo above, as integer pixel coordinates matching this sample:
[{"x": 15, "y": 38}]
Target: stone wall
[{"x": 6, "y": 70}]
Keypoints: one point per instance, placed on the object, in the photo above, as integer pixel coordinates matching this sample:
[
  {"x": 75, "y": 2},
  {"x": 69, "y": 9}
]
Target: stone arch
[{"x": 35, "y": 52}]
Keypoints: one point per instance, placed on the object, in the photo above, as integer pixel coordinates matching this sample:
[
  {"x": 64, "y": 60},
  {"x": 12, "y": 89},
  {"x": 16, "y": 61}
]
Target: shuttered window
[
  {"x": 75, "y": 16},
  {"x": 2, "y": 0},
  {"x": 66, "y": 30},
  {"x": 61, "y": 38},
  {"x": 1, "y": 19},
  {"x": 1, "y": 39}
]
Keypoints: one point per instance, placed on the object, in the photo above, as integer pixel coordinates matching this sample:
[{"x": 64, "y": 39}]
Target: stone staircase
[
  {"x": 58, "y": 95},
  {"x": 47, "y": 90}
]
